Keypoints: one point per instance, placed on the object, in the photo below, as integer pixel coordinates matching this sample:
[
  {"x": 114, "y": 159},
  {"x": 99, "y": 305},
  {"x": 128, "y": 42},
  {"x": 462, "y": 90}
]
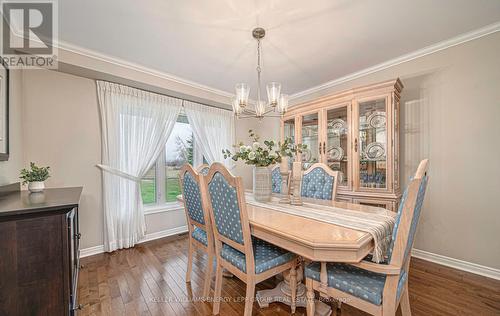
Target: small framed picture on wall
[{"x": 4, "y": 112}]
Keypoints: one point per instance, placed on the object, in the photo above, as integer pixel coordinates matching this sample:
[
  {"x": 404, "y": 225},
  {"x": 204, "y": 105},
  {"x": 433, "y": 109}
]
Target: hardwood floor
[{"x": 150, "y": 280}]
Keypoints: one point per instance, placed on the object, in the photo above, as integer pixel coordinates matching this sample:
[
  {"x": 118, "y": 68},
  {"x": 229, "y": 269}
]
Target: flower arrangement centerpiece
[{"x": 261, "y": 156}]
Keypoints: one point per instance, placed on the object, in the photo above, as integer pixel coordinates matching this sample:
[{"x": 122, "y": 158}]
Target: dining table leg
[{"x": 282, "y": 293}]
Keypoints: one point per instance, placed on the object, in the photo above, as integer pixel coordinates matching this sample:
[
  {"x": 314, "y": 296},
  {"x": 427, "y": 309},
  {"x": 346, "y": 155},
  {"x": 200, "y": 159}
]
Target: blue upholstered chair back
[
  {"x": 226, "y": 211},
  {"x": 276, "y": 180},
  {"x": 416, "y": 216},
  {"x": 317, "y": 184},
  {"x": 191, "y": 194},
  {"x": 204, "y": 170},
  {"x": 414, "y": 222}
]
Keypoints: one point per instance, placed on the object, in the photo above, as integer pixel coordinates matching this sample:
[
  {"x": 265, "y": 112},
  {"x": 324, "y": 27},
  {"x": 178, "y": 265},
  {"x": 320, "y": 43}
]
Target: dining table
[{"x": 311, "y": 239}]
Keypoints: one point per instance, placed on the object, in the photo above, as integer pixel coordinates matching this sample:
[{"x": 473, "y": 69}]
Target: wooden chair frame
[
  {"x": 250, "y": 277},
  {"x": 392, "y": 270},
  {"x": 334, "y": 174},
  {"x": 193, "y": 243}
]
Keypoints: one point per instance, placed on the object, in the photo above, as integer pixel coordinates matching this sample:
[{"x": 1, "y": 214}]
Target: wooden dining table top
[{"x": 310, "y": 238}]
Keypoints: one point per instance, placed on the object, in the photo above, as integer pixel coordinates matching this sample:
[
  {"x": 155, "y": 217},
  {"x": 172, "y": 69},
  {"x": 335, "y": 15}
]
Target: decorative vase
[
  {"x": 262, "y": 184},
  {"x": 36, "y": 197},
  {"x": 36, "y": 186}
]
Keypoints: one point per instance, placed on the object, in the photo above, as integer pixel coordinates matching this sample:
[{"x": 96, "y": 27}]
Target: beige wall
[
  {"x": 9, "y": 170},
  {"x": 61, "y": 126},
  {"x": 451, "y": 114}
]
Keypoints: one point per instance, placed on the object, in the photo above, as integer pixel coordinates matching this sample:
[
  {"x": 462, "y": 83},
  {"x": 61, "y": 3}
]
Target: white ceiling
[{"x": 307, "y": 42}]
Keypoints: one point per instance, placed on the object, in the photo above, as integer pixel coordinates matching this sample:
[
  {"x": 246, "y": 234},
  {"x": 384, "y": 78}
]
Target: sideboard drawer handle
[{"x": 78, "y": 236}]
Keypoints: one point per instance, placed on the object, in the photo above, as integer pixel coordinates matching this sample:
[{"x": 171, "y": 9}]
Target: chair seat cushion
[
  {"x": 266, "y": 255},
  {"x": 358, "y": 282},
  {"x": 200, "y": 235}
]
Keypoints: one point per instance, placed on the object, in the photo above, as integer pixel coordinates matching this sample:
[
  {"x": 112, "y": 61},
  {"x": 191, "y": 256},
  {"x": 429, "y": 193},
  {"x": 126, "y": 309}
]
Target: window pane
[
  {"x": 179, "y": 150},
  {"x": 148, "y": 187}
]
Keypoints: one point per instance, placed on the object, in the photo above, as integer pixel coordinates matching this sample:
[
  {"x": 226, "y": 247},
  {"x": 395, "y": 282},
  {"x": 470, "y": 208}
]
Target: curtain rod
[{"x": 166, "y": 95}]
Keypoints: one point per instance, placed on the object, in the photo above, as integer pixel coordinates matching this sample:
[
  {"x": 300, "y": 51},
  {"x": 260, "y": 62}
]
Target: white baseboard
[
  {"x": 91, "y": 251},
  {"x": 164, "y": 233},
  {"x": 148, "y": 237},
  {"x": 457, "y": 264}
]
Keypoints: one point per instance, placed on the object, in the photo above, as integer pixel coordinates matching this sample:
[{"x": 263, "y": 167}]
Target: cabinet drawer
[{"x": 374, "y": 202}]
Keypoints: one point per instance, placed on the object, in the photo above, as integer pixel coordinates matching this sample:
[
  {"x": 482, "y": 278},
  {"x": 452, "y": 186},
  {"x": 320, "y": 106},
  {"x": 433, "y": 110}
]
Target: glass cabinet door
[
  {"x": 372, "y": 144},
  {"x": 289, "y": 129},
  {"x": 310, "y": 137},
  {"x": 289, "y": 132},
  {"x": 337, "y": 143}
]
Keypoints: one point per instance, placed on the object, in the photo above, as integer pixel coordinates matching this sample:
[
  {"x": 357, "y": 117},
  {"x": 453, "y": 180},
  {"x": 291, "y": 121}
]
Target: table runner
[{"x": 378, "y": 222}]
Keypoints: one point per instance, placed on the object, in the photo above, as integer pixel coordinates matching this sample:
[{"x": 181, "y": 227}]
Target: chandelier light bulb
[
  {"x": 236, "y": 106},
  {"x": 242, "y": 93},
  {"x": 282, "y": 104},
  {"x": 273, "y": 93},
  {"x": 260, "y": 109}
]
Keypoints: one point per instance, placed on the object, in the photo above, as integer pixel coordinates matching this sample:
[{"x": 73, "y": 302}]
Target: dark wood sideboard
[{"x": 39, "y": 252}]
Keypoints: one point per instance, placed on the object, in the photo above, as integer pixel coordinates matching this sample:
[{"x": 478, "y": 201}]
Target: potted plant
[
  {"x": 35, "y": 177},
  {"x": 261, "y": 156}
]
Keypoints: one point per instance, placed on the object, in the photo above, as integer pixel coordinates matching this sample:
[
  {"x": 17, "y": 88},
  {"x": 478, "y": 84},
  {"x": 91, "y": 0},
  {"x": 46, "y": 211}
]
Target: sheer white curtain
[
  {"x": 135, "y": 127},
  {"x": 213, "y": 130}
]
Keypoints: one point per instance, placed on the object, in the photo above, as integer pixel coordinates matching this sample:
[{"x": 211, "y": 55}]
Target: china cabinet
[{"x": 356, "y": 133}]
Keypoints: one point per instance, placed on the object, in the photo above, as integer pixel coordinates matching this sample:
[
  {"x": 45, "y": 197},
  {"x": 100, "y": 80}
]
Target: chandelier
[{"x": 277, "y": 103}]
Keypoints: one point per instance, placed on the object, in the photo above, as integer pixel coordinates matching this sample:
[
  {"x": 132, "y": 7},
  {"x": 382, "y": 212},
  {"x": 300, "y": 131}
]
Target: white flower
[
  {"x": 249, "y": 148},
  {"x": 255, "y": 145},
  {"x": 273, "y": 155},
  {"x": 251, "y": 155},
  {"x": 243, "y": 148}
]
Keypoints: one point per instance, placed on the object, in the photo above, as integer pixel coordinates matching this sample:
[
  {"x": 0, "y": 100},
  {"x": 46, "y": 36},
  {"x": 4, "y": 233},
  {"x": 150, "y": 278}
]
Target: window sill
[{"x": 162, "y": 208}]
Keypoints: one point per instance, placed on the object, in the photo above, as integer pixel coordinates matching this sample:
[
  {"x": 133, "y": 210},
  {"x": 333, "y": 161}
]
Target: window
[{"x": 161, "y": 183}]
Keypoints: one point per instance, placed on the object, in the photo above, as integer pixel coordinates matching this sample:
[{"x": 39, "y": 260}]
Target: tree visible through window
[
  {"x": 161, "y": 184},
  {"x": 179, "y": 150}
]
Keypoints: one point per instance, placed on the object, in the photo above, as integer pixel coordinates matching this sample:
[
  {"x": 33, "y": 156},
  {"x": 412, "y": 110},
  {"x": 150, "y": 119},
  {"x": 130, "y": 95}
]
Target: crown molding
[
  {"x": 94, "y": 55},
  {"x": 460, "y": 39},
  {"x": 139, "y": 68}
]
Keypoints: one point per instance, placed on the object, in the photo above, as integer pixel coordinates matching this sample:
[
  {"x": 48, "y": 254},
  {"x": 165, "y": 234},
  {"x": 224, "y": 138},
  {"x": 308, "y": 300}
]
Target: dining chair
[
  {"x": 203, "y": 169},
  {"x": 199, "y": 223},
  {"x": 376, "y": 288},
  {"x": 276, "y": 179},
  {"x": 250, "y": 259},
  {"x": 319, "y": 182}
]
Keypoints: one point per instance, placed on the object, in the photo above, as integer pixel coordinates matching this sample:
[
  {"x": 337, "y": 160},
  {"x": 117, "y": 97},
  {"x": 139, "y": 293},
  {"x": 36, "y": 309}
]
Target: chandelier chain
[{"x": 259, "y": 69}]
